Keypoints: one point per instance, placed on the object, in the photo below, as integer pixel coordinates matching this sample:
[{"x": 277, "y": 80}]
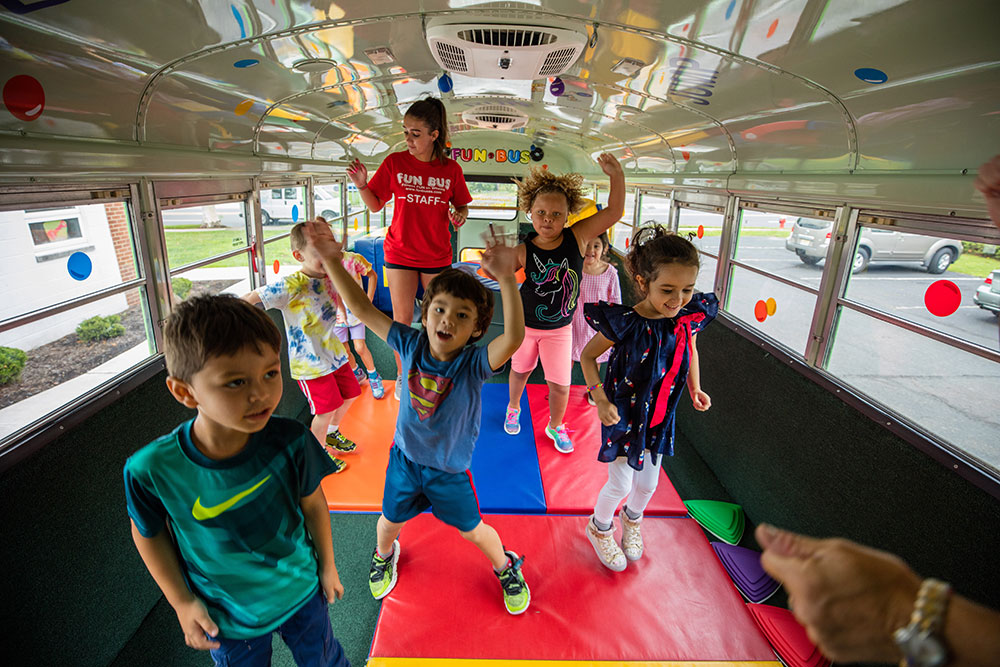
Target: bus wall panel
[{"x": 795, "y": 455}]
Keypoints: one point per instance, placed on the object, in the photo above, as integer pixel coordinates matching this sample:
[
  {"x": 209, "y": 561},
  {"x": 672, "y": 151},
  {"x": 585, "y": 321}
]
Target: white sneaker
[
  {"x": 631, "y": 536},
  {"x": 607, "y": 549}
]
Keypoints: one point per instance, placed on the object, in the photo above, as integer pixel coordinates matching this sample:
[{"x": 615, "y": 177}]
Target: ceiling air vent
[
  {"x": 495, "y": 117},
  {"x": 505, "y": 51}
]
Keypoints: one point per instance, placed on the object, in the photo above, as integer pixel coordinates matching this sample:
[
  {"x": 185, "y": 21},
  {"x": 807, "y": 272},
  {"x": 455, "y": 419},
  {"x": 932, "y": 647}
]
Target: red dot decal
[
  {"x": 277, "y": 265},
  {"x": 24, "y": 97},
  {"x": 774, "y": 26},
  {"x": 760, "y": 311},
  {"x": 701, "y": 231},
  {"x": 942, "y": 298},
  {"x": 626, "y": 242},
  {"x": 685, "y": 155}
]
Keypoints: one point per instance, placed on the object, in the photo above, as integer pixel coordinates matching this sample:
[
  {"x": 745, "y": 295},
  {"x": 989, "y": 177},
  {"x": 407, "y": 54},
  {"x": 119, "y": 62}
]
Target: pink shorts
[
  {"x": 327, "y": 393},
  {"x": 553, "y": 347}
]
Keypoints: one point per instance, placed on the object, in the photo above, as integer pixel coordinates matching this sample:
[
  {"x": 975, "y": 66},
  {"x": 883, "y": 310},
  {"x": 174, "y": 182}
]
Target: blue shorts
[
  {"x": 308, "y": 633},
  {"x": 411, "y": 488}
]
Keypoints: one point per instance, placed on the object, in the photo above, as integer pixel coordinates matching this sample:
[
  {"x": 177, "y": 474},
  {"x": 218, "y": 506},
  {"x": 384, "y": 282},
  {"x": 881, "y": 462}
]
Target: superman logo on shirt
[{"x": 427, "y": 392}]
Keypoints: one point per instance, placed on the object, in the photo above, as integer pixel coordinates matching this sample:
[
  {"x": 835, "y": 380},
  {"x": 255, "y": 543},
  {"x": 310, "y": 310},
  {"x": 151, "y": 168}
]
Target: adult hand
[
  {"x": 196, "y": 624},
  {"x": 610, "y": 165},
  {"x": 320, "y": 236},
  {"x": 607, "y": 412},
  {"x": 988, "y": 183},
  {"x": 700, "y": 400},
  {"x": 850, "y": 598},
  {"x": 358, "y": 174},
  {"x": 456, "y": 217}
]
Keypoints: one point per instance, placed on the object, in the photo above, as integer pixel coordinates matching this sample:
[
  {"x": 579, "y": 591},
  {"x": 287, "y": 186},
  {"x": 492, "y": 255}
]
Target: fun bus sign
[{"x": 497, "y": 155}]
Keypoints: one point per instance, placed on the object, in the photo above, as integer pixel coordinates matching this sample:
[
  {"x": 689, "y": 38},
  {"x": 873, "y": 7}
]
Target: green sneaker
[
  {"x": 340, "y": 442},
  {"x": 516, "y": 596},
  {"x": 382, "y": 576},
  {"x": 340, "y": 464}
]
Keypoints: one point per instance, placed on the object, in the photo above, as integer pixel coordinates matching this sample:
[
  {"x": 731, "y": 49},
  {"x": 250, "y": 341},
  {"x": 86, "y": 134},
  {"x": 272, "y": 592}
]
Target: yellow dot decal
[
  {"x": 243, "y": 107},
  {"x": 772, "y": 305},
  {"x": 355, "y": 224}
]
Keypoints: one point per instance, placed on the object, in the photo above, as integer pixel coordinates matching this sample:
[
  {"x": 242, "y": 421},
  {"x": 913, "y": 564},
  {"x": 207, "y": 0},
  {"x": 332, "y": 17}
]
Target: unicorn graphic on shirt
[{"x": 559, "y": 284}]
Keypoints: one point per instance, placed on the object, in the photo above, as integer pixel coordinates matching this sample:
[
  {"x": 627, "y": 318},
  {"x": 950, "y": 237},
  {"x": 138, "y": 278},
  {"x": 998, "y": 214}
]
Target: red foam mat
[
  {"x": 676, "y": 603},
  {"x": 572, "y": 481}
]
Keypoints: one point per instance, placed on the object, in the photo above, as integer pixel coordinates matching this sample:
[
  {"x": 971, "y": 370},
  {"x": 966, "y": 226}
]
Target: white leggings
[{"x": 625, "y": 482}]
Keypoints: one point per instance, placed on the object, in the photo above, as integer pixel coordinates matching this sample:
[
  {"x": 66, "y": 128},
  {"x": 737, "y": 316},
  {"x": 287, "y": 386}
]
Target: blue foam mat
[{"x": 505, "y": 467}]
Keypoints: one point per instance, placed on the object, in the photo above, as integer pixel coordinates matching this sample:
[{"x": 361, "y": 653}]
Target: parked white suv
[{"x": 810, "y": 238}]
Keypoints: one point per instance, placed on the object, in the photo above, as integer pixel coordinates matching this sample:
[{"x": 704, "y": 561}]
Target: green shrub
[
  {"x": 100, "y": 328},
  {"x": 12, "y": 362},
  {"x": 181, "y": 287}
]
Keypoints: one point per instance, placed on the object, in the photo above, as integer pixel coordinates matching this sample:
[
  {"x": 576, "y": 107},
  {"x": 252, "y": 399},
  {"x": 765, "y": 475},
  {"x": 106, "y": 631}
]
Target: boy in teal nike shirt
[{"x": 227, "y": 510}]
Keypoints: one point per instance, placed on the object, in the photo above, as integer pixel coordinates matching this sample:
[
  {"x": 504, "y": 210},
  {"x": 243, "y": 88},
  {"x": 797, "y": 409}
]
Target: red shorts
[{"x": 327, "y": 393}]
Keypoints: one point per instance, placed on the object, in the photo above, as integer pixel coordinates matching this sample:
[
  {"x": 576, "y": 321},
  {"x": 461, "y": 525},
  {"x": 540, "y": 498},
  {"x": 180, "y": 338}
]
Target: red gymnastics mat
[
  {"x": 371, "y": 424},
  {"x": 676, "y": 603},
  {"x": 572, "y": 481}
]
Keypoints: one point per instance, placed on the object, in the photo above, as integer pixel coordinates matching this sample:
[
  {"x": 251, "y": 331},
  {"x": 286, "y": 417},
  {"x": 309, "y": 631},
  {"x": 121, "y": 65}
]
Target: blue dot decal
[
  {"x": 871, "y": 75},
  {"x": 730, "y": 8},
  {"x": 239, "y": 20},
  {"x": 295, "y": 213},
  {"x": 248, "y": 62},
  {"x": 557, "y": 87},
  {"x": 445, "y": 83},
  {"x": 79, "y": 266}
]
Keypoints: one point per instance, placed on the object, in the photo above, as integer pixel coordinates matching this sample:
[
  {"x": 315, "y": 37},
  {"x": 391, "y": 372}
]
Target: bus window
[
  {"x": 282, "y": 208},
  {"x": 196, "y": 235},
  {"x": 64, "y": 334},
  {"x": 704, "y": 228},
  {"x": 327, "y": 201},
  {"x": 621, "y": 233},
  {"x": 493, "y": 201}
]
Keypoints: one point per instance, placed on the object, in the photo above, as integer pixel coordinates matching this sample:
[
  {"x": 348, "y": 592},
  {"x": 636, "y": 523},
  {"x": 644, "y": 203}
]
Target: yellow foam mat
[{"x": 438, "y": 662}]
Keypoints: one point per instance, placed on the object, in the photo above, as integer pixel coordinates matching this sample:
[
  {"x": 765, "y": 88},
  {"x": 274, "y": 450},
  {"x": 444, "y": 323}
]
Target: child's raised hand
[
  {"x": 500, "y": 261},
  {"x": 607, "y": 412},
  {"x": 358, "y": 174},
  {"x": 196, "y": 624},
  {"x": 610, "y": 165},
  {"x": 320, "y": 236},
  {"x": 700, "y": 400}
]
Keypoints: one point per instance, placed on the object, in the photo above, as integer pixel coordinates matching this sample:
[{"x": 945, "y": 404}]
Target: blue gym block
[{"x": 505, "y": 467}]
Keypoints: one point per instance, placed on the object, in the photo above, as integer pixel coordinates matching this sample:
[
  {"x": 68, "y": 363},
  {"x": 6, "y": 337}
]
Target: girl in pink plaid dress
[{"x": 599, "y": 283}]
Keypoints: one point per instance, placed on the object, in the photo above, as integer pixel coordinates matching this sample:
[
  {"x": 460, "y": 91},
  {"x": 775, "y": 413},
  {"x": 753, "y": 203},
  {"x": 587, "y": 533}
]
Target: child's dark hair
[
  {"x": 432, "y": 113},
  {"x": 464, "y": 286},
  {"x": 543, "y": 182},
  {"x": 214, "y": 326},
  {"x": 656, "y": 246},
  {"x": 607, "y": 246}
]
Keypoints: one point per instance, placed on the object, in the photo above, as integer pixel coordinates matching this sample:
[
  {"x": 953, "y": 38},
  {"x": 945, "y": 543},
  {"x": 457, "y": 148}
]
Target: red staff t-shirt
[{"x": 419, "y": 235}]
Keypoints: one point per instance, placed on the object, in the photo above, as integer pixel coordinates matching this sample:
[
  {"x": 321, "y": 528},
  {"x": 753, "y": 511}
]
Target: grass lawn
[
  {"x": 974, "y": 265},
  {"x": 184, "y": 247}
]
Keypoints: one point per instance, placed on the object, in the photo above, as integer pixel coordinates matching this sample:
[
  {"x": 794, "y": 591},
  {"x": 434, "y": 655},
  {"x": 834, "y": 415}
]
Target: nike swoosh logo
[{"x": 200, "y": 512}]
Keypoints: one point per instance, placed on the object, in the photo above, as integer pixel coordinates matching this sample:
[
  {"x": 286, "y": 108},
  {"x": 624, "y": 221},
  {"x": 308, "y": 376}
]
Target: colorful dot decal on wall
[
  {"x": 243, "y": 107},
  {"x": 276, "y": 265},
  {"x": 24, "y": 97},
  {"x": 760, "y": 311},
  {"x": 557, "y": 87},
  {"x": 942, "y": 298},
  {"x": 355, "y": 224},
  {"x": 626, "y": 243},
  {"x": 774, "y": 26},
  {"x": 701, "y": 231},
  {"x": 445, "y": 84},
  {"x": 246, "y": 62},
  {"x": 772, "y": 305},
  {"x": 730, "y": 8},
  {"x": 871, "y": 75},
  {"x": 295, "y": 213},
  {"x": 490, "y": 156},
  {"x": 79, "y": 266},
  {"x": 686, "y": 155}
]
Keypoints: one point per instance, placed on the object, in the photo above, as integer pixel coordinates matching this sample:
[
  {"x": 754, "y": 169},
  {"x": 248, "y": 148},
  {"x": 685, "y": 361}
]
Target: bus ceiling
[{"x": 680, "y": 92}]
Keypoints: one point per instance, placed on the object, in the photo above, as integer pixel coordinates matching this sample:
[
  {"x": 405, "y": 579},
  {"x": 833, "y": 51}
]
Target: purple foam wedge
[{"x": 743, "y": 565}]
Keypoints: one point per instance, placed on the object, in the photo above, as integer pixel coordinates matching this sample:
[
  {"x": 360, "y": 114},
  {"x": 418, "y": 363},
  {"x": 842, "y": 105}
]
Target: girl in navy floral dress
[{"x": 653, "y": 357}]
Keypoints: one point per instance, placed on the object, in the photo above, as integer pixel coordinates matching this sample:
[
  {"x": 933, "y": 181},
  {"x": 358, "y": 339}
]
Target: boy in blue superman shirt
[
  {"x": 440, "y": 406},
  {"x": 227, "y": 510}
]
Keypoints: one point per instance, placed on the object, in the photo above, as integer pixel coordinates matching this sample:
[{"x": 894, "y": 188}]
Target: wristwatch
[{"x": 920, "y": 641}]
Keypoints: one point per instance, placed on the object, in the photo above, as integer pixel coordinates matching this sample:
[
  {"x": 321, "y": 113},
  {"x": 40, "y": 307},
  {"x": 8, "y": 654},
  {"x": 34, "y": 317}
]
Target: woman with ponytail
[{"x": 425, "y": 184}]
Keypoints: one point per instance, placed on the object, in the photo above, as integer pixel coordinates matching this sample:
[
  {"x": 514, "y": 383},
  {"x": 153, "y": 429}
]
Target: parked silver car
[
  {"x": 810, "y": 238},
  {"x": 988, "y": 295}
]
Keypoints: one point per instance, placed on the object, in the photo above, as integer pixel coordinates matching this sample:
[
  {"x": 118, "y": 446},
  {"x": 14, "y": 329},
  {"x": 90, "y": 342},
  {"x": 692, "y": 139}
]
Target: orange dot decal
[
  {"x": 276, "y": 265},
  {"x": 774, "y": 26},
  {"x": 355, "y": 224},
  {"x": 243, "y": 107},
  {"x": 772, "y": 306},
  {"x": 24, "y": 97},
  {"x": 760, "y": 311},
  {"x": 942, "y": 298},
  {"x": 701, "y": 231}
]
